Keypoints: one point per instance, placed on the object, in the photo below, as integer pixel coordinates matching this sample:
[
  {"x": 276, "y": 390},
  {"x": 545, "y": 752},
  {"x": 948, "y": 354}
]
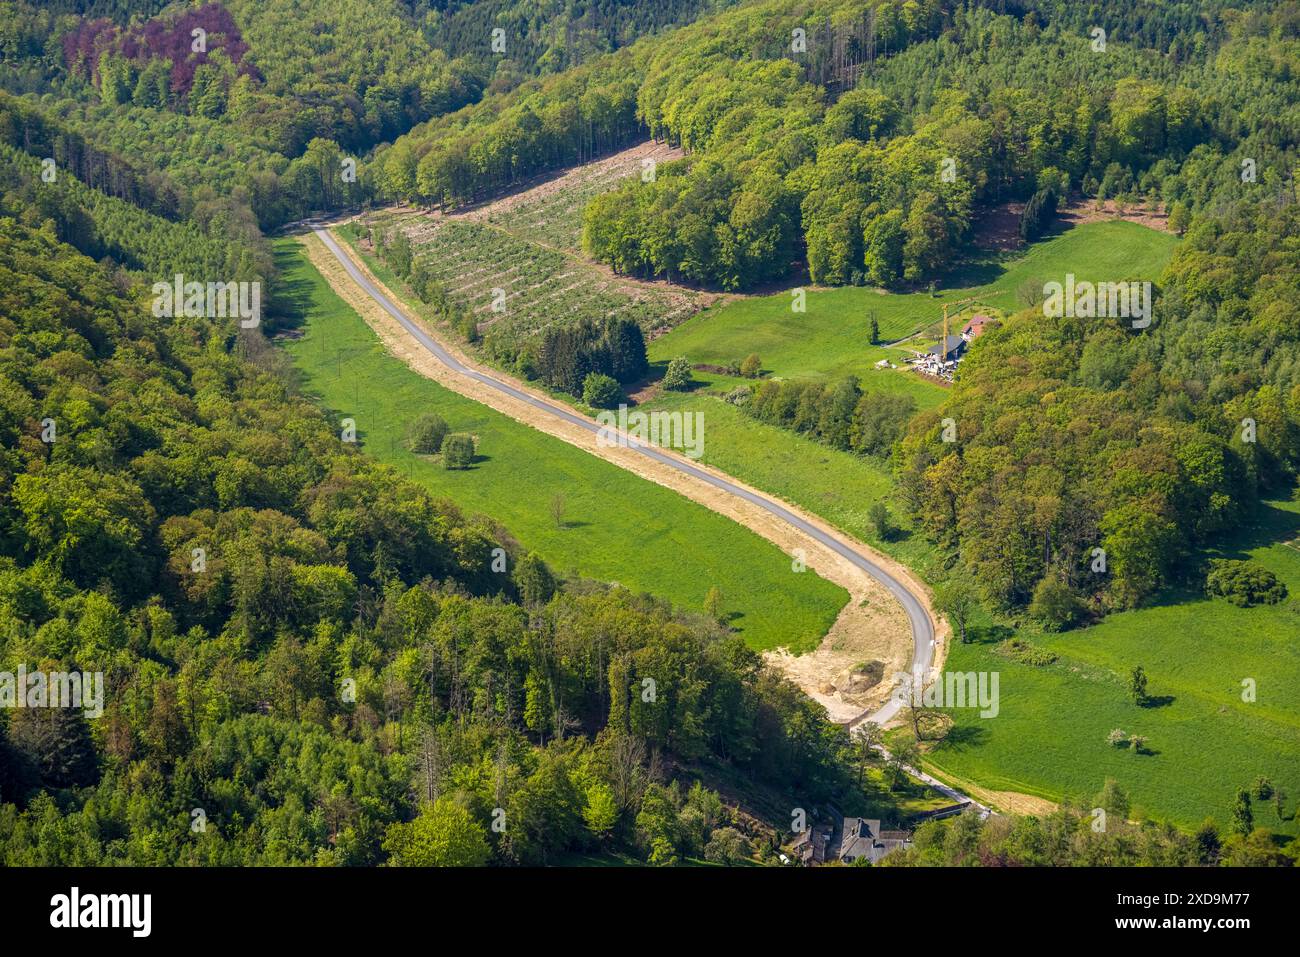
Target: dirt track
[{"x": 871, "y": 627}]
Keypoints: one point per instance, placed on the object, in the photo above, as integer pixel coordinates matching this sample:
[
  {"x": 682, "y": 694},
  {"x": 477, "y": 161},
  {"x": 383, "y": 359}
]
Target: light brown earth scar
[{"x": 878, "y": 630}]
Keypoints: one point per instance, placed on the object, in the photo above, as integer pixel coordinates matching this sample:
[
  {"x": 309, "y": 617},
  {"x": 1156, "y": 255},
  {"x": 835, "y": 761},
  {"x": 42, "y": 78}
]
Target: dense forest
[
  {"x": 310, "y": 660},
  {"x": 274, "y": 101},
  {"x": 864, "y": 146},
  {"x": 309, "y": 649},
  {"x": 1077, "y": 434}
]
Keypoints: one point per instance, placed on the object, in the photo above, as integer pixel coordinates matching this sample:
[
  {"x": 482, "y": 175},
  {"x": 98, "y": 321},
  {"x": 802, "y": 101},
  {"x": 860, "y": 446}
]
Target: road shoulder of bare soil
[{"x": 872, "y": 626}]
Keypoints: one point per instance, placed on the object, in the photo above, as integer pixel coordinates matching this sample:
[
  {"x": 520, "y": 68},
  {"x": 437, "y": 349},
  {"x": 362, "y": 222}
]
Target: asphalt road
[{"x": 922, "y": 628}]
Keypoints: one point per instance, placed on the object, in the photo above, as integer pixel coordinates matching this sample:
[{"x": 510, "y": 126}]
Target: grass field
[
  {"x": 832, "y": 337},
  {"x": 1049, "y": 738},
  {"x": 1203, "y": 740},
  {"x": 618, "y": 526},
  {"x": 830, "y": 340}
]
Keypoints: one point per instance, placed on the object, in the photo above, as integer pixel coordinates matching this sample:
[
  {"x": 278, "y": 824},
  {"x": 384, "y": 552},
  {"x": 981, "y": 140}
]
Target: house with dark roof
[
  {"x": 862, "y": 838},
  {"x": 950, "y": 350},
  {"x": 810, "y": 847}
]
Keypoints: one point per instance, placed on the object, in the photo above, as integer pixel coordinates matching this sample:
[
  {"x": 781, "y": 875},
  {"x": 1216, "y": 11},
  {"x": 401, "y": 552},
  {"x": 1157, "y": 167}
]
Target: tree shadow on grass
[
  {"x": 988, "y": 634},
  {"x": 1158, "y": 701},
  {"x": 292, "y": 295},
  {"x": 962, "y": 736},
  {"x": 1267, "y": 525}
]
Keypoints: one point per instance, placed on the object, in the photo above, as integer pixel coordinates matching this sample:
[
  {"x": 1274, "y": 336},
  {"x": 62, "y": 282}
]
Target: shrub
[
  {"x": 727, "y": 846},
  {"x": 880, "y": 520},
  {"x": 425, "y": 435},
  {"x": 1054, "y": 605},
  {"x": 1017, "y": 649},
  {"x": 751, "y": 366},
  {"x": 601, "y": 391},
  {"x": 678, "y": 376},
  {"x": 457, "y": 451},
  {"x": 1117, "y": 739},
  {"x": 1243, "y": 583}
]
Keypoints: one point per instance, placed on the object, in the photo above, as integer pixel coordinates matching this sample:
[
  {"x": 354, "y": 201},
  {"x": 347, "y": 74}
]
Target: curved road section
[{"x": 922, "y": 627}]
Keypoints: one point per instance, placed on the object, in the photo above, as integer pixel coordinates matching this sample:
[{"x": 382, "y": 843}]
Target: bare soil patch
[
  {"x": 613, "y": 167},
  {"x": 998, "y": 229},
  {"x": 1092, "y": 211}
]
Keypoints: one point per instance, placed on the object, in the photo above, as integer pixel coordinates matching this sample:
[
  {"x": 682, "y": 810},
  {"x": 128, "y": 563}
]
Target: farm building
[
  {"x": 811, "y": 845},
  {"x": 951, "y": 350},
  {"x": 976, "y": 327}
]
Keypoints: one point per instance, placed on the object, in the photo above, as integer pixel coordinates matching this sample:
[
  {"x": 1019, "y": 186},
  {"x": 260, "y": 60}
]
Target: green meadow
[
  {"x": 832, "y": 337},
  {"x": 1049, "y": 739},
  {"x": 1203, "y": 739},
  {"x": 616, "y": 526}
]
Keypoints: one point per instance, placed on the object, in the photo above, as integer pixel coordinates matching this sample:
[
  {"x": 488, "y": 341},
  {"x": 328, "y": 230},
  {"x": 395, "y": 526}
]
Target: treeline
[
  {"x": 1068, "y": 837},
  {"x": 28, "y": 129},
  {"x": 839, "y": 414},
  {"x": 326, "y": 662},
  {"x": 543, "y": 125},
  {"x": 880, "y": 186},
  {"x": 104, "y": 227},
  {"x": 777, "y": 174},
  {"x": 192, "y": 153},
  {"x": 203, "y": 236}
]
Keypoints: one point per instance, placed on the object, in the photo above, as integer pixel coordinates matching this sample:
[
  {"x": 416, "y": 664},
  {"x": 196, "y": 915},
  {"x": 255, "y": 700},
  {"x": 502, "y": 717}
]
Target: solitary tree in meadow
[
  {"x": 678, "y": 376},
  {"x": 457, "y": 451},
  {"x": 878, "y": 515},
  {"x": 713, "y": 603},
  {"x": 1137, "y": 685},
  {"x": 1243, "y": 819}
]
